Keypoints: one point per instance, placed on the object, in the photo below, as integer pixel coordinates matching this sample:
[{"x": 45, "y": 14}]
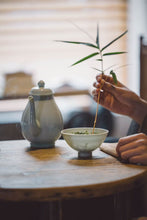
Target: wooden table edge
[{"x": 74, "y": 192}]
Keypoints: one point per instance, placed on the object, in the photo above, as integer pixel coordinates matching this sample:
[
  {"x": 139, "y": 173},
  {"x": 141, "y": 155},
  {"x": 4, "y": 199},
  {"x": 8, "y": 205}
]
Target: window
[{"x": 28, "y": 30}]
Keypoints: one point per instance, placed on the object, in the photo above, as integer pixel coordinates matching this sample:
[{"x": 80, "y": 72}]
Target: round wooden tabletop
[{"x": 57, "y": 173}]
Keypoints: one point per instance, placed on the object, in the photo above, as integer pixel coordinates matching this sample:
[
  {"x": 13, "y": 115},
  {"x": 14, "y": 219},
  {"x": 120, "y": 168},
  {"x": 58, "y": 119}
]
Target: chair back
[{"x": 10, "y": 131}]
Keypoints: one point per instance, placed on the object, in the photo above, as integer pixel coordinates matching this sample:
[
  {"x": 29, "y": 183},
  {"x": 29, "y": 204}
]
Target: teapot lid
[{"x": 41, "y": 91}]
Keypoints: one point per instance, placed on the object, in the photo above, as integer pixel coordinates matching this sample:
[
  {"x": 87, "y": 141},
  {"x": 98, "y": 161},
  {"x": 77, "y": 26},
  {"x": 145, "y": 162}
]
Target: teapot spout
[{"x": 34, "y": 123}]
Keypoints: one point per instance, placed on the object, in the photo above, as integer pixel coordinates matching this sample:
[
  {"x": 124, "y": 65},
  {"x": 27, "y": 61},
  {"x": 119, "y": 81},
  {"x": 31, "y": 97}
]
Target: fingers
[
  {"x": 109, "y": 79},
  {"x": 109, "y": 87},
  {"x": 99, "y": 83},
  {"x": 133, "y": 152},
  {"x": 100, "y": 79},
  {"x": 105, "y": 77},
  {"x": 133, "y": 148},
  {"x": 124, "y": 143},
  {"x": 139, "y": 159},
  {"x": 102, "y": 96}
]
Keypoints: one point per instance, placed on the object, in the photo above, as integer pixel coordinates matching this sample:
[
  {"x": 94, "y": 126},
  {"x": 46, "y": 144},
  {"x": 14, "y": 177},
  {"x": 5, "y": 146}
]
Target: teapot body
[{"x": 42, "y": 121}]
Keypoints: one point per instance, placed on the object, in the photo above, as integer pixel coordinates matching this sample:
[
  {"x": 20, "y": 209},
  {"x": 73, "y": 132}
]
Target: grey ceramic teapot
[{"x": 41, "y": 122}]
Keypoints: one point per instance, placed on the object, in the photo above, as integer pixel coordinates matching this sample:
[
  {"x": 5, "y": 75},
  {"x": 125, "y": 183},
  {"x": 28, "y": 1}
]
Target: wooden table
[{"x": 56, "y": 181}]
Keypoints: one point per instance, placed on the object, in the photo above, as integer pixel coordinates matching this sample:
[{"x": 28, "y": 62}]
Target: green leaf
[
  {"x": 113, "y": 76},
  {"x": 98, "y": 70},
  {"x": 114, "y": 40},
  {"x": 99, "y": 59},
  {"x": 109, "y": 67},
  {"x": 97, "y": 38},
  {"x": 113, "y": 53},
  {"x": 75, "y": 42},
  {"x": 85, "y": 58}
]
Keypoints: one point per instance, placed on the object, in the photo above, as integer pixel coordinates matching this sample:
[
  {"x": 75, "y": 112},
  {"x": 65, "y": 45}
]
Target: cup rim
[{"x": 65, "y": 131}]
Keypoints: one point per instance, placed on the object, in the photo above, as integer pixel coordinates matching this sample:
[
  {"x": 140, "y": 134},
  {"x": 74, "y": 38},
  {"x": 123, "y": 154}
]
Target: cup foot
[
  {"x": 35, "y": 145},
  {"x": 84, "y": 154}
]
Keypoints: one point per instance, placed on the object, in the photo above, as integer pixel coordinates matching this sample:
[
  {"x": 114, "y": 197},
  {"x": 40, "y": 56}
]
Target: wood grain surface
[{"x": 57, "y": 173}]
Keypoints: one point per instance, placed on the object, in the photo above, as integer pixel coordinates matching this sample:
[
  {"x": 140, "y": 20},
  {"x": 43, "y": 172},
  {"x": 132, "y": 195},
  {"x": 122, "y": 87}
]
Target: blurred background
[{"x": 29, "y": 52}]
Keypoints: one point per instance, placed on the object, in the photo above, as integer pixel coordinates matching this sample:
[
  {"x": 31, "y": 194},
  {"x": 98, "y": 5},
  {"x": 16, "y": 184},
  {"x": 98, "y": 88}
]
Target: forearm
[{"x": 140, "y": 111}]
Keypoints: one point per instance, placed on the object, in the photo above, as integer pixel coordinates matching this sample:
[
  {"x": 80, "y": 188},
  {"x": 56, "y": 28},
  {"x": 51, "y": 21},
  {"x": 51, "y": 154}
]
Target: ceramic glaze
[
  {"x": 86, "y": 142},
  {"x": 41, "y": 122}
]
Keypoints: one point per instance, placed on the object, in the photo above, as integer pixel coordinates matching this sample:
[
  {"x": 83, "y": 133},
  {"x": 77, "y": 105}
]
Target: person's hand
[
  {"x": 119, "y": 99},
  {"x": 133, "y": 148}
]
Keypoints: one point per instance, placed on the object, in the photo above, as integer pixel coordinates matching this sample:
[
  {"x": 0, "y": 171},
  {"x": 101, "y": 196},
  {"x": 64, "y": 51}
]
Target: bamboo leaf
[
  {"x": 76, "y": 42},
  {"x": 114, "y": 40},
  {"x": 121, "y": 66},
  {"x": 85, "y": 58},
  {"x": 113, "y": 53},
  {"x": 85, "y": 32},
  {"x": 110, "y": 67},
  {"x": 98, "y": 70},
  {"x": 97, "y": 38},
  {"x": 99, "y": 59},
  {"x": 113, "y": 76}
]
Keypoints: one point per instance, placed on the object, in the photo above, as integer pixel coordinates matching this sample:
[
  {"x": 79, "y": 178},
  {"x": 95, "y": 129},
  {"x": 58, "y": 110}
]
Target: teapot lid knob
[
  {"x": 41, "y": 91},
  {"x": 41, "y": 84}
]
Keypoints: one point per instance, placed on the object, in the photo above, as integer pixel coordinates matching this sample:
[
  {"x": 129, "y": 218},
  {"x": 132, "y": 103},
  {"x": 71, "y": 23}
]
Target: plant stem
[
  {"x": 101, "y": 55},
  {"x": 98, "y": 98},
  {"x": 95, "y": 120}
]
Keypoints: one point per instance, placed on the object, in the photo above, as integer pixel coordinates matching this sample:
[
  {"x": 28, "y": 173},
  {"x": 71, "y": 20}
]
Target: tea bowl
[{"x": 83, "y": 140}]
